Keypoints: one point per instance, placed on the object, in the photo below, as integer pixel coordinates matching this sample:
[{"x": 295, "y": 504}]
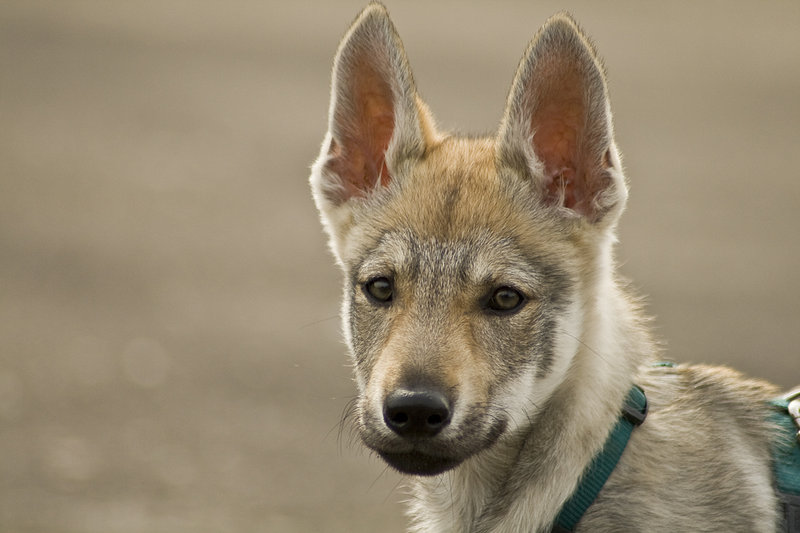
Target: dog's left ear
[{"x": 557, "y": 129}]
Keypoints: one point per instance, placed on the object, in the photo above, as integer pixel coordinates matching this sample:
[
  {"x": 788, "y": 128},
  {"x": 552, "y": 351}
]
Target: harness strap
[
  {"x": 786, "y": 458},
  {"x": 634, "y": 411}
]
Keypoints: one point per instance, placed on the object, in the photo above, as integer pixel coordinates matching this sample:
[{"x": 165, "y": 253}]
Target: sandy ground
[{"x": 170, "y": 358}]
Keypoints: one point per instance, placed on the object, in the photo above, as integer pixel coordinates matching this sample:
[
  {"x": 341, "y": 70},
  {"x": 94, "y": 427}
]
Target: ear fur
[
  {"x": 557, "y": 128},
  {"x": 373, "y": 118},
  {"x": 376, "y": 121}
]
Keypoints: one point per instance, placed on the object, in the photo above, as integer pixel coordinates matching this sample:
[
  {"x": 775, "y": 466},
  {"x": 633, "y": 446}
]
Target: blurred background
[{"x": 170, "y": 356}]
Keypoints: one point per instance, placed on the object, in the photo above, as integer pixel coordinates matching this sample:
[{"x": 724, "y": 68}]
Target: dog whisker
[
  {"x": 346, "y": 423},
  {"x": 592, "y": 350},
  {"x": 320, "y": 321},
  {"x": 394, "y": 489}
]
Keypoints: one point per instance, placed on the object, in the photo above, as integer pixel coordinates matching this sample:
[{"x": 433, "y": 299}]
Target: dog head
[{"x": 467, "y": 261}]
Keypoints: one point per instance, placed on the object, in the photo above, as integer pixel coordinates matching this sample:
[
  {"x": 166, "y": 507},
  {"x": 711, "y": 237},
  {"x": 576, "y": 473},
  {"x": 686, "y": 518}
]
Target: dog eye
[
  {"x": 505, "y": 299},
  {"x": 379, "y": 289}
]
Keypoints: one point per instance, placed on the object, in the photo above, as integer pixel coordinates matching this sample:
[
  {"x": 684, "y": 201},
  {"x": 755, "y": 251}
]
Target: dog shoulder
[{"x": 704, "y": 447}]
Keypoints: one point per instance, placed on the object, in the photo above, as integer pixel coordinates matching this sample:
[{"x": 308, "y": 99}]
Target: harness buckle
[{"x": 635, "y": 408}]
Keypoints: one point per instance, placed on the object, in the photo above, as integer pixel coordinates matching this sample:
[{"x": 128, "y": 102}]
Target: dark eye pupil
[
  {"x": 380, "y": 289},
  {"x": 505, "y": 299}
]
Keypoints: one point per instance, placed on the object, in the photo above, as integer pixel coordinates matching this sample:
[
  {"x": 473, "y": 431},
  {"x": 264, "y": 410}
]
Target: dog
[{"x": 493, "y": 343}]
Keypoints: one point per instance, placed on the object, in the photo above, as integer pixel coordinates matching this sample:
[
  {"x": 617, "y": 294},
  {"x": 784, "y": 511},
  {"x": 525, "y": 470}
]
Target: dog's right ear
[{"x": 375, "y": 123}]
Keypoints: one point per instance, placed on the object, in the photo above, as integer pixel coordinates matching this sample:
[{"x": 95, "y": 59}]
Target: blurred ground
[{"x": 169, "y": 354}]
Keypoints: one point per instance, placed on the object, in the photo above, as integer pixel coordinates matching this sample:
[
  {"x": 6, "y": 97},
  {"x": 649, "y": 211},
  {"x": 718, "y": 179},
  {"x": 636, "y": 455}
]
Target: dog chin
[
  {"x": 419, "y": 464},
  {"x": 425, "y": 458}
]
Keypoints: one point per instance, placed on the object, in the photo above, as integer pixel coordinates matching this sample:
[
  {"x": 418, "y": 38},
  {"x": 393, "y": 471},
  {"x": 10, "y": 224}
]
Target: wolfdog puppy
[{"x": 494, "y": 345}]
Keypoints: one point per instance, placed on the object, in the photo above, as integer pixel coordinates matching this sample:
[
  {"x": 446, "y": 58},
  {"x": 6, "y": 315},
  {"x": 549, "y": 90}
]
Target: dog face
[
  {"x": 466, "y": 261},
  {"x": 452, "y": 307}
]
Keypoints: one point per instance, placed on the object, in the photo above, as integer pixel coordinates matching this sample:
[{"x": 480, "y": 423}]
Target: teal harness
[
  {"x": 785, "y": 455},
  {"x": 634, "y": 411}
]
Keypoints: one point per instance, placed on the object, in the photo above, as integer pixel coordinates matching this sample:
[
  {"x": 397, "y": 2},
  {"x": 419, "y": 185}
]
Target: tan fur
[{"x": 506, "y": 406}]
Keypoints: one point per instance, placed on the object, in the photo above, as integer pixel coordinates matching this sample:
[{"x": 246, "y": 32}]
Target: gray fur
[{"x": 533, "y": 391}]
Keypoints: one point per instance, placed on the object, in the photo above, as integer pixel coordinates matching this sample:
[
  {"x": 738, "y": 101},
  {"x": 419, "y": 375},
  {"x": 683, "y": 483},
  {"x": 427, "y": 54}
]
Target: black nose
[{"x": 421, "y": 413}]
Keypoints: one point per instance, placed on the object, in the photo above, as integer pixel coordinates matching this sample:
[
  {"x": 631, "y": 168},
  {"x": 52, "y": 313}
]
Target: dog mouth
[
  {"x": 432, "y": 456},
  {"x": 419, "y": 463}
]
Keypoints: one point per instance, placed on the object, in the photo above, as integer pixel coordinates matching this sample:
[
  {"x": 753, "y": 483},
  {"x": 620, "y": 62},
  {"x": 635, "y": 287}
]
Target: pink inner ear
[
  {"x": 378, "y": 127},
  {"x": 365, "y": 129},
  {"x": 557, "y": 130},
  {"x": 559, "y": 104}
]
